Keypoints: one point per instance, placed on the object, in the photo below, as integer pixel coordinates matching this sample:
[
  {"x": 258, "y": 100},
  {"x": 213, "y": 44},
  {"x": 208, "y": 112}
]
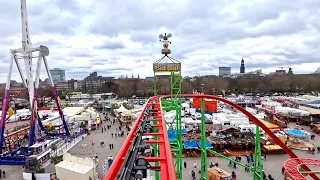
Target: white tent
[{"x": 122, "y": 109}]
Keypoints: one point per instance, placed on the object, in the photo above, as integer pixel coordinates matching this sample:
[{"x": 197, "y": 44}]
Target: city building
[
  {"x": 58, "y": 75},
  {"x": 280, "y": 72},
  {"x": 224, "y": 71},
  {"x": 290, "y": 72},
  {"x": 62, "y": 86},
  {"x": 242, "y": 68}
]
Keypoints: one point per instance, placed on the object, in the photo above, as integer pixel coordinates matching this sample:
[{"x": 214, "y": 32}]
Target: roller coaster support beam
[
  {"x": 204, "y": 159},
  {"x": 122, "y": 161}
]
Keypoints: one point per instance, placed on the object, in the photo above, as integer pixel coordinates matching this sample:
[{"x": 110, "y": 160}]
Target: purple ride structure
[{"x": 26, "y": 53}]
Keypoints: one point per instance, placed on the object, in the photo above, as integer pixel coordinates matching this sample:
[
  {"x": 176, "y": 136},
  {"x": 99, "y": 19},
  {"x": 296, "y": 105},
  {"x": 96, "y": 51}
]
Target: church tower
[{"x": 242, "y": 68}]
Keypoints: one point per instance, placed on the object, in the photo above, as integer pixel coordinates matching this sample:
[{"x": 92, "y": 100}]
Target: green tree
[
  {"x": 1, "y": 93},
  {"x": 128, "y": 106},
  {"x": 54, "y": 148},
  {"x": 56, "y": 159},
  {"x": 115, "y": 106},
  {"x": 34, "y": 166},
  {"x": 46, "y": 92},
  {"x": 67, "y": 94}
]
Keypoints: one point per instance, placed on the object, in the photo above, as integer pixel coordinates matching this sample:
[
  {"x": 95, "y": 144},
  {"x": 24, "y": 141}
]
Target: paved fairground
[
  {"x": 85, "y": 149},
  {"x": 272, "y": 164}
]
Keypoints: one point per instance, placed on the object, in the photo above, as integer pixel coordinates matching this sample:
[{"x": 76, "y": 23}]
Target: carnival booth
[
  {"x": 211, "y": 106},
  {"x": 298, "y": 139},
  {"x": 16, "y": 138},
  {"x": 269, "y": 125},
  {"x": 218, "y": 174},
  {"x": 232, "y": 139},
  {"x": 191, "y": 149},
  {"x": 125, "y": 116},
  {"x": 269, "y": 147}
]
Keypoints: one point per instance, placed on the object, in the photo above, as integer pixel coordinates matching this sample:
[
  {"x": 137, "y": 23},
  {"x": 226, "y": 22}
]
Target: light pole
[
  {"x": 213, "y": 91},
  {"x": 202, "y": 86}
]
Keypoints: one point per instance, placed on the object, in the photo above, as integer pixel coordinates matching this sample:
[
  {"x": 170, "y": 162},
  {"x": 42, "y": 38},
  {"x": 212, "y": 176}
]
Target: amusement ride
[
  {"x": 132, "y": 163},
  {"x": 27, "y": 52}
]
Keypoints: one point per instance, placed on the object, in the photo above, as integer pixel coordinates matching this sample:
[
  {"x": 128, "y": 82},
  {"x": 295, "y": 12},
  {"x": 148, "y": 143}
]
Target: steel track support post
[
  {"x": 258, "y": 167},
  {"x": 154, "y": 84},
  {"x": 204, "y": 160},
  {"x": 175, "y": 101},
  {"x": 179, "y": 143},
  {"x": 156, "y": 148}
]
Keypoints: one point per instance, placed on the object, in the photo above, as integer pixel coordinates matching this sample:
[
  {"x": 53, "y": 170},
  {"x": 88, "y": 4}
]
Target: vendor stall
[
  {"x": 190, "y": 149},
  {"x": 272, "y": 149},
  {"x": 218, "y": 174},
  {"x": 298, "y": 139}
]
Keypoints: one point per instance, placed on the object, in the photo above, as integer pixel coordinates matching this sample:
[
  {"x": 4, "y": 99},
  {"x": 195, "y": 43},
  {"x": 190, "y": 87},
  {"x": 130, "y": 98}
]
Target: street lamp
[
  {"x": 213, "y": 91},
  {"x": 202, "y": 86}
]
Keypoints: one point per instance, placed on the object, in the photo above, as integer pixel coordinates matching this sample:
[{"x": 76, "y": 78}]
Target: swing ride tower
[
  {"x": 172, "y": 67},
  {"x": 27, "y": 52}
]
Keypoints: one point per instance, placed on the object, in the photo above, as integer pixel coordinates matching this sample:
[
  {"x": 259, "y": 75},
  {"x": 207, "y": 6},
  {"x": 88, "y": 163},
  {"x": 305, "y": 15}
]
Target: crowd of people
[
  {"x": 2, "y": 174},
  {"x": 232, "y": 163}
]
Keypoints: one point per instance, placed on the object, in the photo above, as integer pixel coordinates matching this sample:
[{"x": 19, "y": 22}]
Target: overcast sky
[{"x": 119, "y": 37}]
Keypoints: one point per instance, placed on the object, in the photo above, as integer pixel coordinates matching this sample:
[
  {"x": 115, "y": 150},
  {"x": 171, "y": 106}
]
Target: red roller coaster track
[
  {"x": 292, "y": 165},
  {"x": 167, "y": 171}
]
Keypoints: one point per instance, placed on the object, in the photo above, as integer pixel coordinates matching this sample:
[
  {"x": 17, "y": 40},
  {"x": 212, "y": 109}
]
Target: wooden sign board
[{"x": 167, "y": 67}]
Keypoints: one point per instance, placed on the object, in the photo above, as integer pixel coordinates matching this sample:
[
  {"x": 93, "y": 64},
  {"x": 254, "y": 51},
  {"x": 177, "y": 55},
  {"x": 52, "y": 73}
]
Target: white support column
[
  {"x": 28, "y": 65},
  {"x": 48, "y": 71},
  {"x": 12, "y": 57},
  {"x": 26, "y": 49},
  {"x": 20, "y": 72},
  {"x": 38, "y": 70}
]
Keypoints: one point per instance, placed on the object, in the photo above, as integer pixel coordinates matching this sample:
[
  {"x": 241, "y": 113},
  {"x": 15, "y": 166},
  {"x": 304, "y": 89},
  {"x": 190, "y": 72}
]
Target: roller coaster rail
[{"x": 127, "y": 167}]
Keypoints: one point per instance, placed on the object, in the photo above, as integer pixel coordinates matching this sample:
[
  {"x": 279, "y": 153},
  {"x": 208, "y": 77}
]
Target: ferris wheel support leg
[
  {"x": 55, "y": 93},
  {"x": 5, "y": 103}
]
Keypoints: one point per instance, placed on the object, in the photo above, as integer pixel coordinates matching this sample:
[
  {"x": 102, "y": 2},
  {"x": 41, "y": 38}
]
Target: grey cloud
[
  {"x": 144, "y": 36},
  {"x": 131, "y": 16},
  {"x": 204, "y": 33},
  {"x": 48, "y": 43},
  {"x": 105, "y": 61},
  {"x": 41, "y": 18},
  {"x": 81, "y": 53},
  {"x": 285, "y": 24},
  {"x": 111, "y": 45},
  {"x": 257, "y": 12},
  {"x": 57, "y": 25}
]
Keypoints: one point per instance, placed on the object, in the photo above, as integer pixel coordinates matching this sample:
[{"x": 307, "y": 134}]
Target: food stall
[
  {"x": 218, "y": 174},
  {"x": 272, "y": 149}
]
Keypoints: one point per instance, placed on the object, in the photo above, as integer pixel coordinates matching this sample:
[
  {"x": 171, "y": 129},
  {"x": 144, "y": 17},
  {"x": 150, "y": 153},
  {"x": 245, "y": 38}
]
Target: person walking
[
  {"x": 110, "y": 160},
  {"x": 185, "y": 164}
]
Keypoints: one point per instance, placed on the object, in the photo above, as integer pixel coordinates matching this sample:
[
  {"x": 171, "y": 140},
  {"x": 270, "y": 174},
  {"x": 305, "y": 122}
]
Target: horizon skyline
[{"x": 85, "y": 38}]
